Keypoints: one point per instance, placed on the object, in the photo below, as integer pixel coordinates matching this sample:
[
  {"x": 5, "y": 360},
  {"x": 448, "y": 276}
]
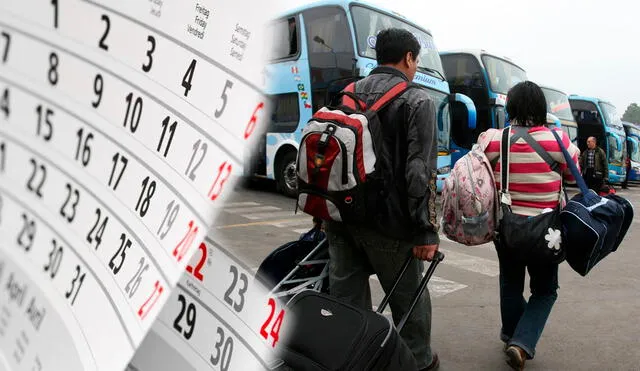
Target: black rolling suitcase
[{"x": 329, "y": 335}]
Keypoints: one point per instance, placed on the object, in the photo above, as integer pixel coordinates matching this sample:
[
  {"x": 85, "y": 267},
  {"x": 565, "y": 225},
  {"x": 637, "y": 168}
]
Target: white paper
[{"x": 120, "y": 124}]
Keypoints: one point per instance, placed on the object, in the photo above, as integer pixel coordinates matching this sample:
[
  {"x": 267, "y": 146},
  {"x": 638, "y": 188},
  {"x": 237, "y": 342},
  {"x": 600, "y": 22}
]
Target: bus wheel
[{"x": 287, "y": 177}]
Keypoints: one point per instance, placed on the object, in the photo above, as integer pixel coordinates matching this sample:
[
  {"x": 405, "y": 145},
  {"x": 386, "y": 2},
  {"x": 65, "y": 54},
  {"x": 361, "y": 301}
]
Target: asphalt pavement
[{"x": 595, "y": 324}]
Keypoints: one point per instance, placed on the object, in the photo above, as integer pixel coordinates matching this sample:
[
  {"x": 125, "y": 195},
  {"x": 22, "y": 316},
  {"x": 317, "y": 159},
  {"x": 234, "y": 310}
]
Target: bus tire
[{"x": 286, "y": 176}]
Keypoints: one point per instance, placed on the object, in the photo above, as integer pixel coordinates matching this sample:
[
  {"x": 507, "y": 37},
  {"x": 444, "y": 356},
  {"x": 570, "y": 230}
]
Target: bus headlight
[{"x": 444, "y": 170}]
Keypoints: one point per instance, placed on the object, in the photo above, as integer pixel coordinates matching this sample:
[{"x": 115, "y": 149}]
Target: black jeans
[
  {"x": 356, "y": 253},
  {"x": 593, "y": 181}
]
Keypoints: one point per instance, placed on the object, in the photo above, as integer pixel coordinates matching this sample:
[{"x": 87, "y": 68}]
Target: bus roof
[
  {"x": 346, "y": 4},
  {"x": 551, "y": 88},
  {"x": 594, "y": 100},
  {"x": 478, "y": 54}
]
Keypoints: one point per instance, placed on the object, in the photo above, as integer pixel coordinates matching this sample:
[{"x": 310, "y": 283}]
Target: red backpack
[{"x": 337, "y": 171}]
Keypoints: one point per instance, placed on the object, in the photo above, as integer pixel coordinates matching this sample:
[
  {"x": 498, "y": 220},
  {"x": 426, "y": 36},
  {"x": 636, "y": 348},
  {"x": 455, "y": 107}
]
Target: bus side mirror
[
  {"x": 553, "y": 120},
  {"x": 618, "y": 141},
  {"x": 468, "y": 103}
]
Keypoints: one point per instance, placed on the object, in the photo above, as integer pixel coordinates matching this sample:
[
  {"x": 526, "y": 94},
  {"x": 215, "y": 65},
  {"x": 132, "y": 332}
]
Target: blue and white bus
[
  {"x": 486, "y": 79},
  {"x": 633, "y": 150},
  {"x": 598, "y": 118},
  {"x": 320, "y": 48},
  {"x": 558, "y": 105}
]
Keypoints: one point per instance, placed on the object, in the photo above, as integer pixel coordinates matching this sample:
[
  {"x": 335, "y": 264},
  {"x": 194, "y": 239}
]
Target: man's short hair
[{"x": 392, "y": 44}]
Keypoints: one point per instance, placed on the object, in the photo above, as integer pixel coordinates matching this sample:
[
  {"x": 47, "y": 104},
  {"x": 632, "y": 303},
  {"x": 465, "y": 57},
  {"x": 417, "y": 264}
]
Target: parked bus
[
  {"x": 558, "y": 105},
  {"x": 320, "y": 48},
  {"x": 633, "y": 149},
  {"x": 599, "y": 119},
  {"x": 486, "y": 79}
]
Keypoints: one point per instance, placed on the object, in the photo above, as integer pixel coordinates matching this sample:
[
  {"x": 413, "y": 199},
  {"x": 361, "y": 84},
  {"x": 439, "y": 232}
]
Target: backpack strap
[
  {"x": 504, "y": 163},
  {"x": 522, "y": 132},
  {"x": 390, "y": 95},
  {"x": 349, "y": 98}
]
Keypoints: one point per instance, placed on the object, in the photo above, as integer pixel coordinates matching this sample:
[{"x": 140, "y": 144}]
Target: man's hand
[{"x": 425, "y": 252}]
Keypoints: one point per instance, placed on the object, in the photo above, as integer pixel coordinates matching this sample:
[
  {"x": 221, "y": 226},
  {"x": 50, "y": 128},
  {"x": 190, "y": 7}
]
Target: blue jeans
[{"x": 522, "y": 321}]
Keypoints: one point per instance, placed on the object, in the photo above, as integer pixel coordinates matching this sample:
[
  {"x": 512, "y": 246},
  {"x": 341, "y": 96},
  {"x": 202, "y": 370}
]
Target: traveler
[
  {"x": 534, "y": 187},
  {"x": 593, "y": 163},
  {"x": 406, "y": 220}
]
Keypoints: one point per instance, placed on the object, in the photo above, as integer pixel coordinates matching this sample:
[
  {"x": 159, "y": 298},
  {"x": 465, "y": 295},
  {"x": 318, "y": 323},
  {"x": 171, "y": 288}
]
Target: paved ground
[{"x": 595, "y": 324}]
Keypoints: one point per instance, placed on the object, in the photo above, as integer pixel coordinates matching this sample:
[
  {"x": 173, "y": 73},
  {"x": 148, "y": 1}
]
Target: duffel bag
[{"x": 592, "y": 226}]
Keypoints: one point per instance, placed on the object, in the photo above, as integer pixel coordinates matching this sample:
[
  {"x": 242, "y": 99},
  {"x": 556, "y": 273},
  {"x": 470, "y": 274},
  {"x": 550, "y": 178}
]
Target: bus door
[{"x": 590, "y": 123}]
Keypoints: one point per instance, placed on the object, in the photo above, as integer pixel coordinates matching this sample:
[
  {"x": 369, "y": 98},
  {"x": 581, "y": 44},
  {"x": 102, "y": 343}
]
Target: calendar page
[
  {"x": 122, "y": 127},
  {"x": 218, "y": 318}
]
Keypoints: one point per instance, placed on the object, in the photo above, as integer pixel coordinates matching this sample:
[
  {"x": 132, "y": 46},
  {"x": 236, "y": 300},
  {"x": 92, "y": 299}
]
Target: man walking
[
  {"x": 593, "y": 163},
  {"x": 407, "y": 219}
]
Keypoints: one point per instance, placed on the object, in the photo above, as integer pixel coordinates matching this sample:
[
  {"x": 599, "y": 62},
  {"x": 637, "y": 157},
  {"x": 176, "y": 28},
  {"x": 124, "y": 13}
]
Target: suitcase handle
[{"x": 439, "y": 256}]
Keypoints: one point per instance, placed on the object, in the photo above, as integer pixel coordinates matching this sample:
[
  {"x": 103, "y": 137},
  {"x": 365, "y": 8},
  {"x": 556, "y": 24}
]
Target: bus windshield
[
  {"x": 369, "y": 22},
  {"x": 503, "y": 75},
  {"x": 572, "y": 131},
  {"x": 635, "y": 154},
  {"x": 558, "y": 104},
  {"x": 611, "y": 115},
  {"x": 615, "y": 156},
  {"x": 633, "y": 131}
]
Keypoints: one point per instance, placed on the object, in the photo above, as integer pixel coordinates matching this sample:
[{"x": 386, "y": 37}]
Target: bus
[
  {"x": 633, "y": 149},
  {"x": 486, "y": 78},
  {"x": 318, "y": 49},
  {"x": 558, "y": 105},
  {"x": 598, "y": 118}
]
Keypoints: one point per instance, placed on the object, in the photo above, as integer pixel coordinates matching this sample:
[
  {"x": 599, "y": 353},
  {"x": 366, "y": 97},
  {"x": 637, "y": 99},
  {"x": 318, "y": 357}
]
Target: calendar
[
  {"x": 209, "y": 323},
  {"x": 122, "y": 125}
]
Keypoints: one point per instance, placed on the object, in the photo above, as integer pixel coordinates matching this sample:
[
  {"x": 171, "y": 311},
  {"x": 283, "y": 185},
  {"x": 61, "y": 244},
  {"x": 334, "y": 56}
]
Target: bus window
[
  {"x": 285, "y": 39},
  {"x": 464, "y": 74},
  {"x": 502, "y": 74},
  {"x": 330, "y": 45},
  {"x": 286, "y": 113}
]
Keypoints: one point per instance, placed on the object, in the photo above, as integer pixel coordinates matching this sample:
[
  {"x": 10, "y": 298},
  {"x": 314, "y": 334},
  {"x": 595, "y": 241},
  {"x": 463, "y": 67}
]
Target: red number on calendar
[
  {"x": 146, "y": 307},
  {"x": 218, "y": 183},
  {"x": 275, "y": 328},
  {"x": 196, "y": 272},
  {"x": 253, "y": 121},
  {"x": 185, "y": 243}
]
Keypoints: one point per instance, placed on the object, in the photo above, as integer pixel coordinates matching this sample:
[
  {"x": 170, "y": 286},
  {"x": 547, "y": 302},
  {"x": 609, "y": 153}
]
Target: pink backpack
[{"x": 469, "y": 196}]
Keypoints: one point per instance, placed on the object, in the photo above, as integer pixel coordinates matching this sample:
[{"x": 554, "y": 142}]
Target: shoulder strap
[
  {"x": 390, "y": 95},
  {"x": 523, "y": 133},
  {"x": 572, "y": 166},
  {"x": 349, "y": 98},
  {"x": 504, "y": 160}
]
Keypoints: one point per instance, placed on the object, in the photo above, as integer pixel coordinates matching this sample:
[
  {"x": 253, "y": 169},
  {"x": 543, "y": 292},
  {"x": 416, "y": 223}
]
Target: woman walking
[{"x": 534, "y": 186}]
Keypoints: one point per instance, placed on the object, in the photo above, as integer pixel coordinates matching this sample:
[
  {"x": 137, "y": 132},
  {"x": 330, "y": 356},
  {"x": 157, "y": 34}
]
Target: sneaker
[
  {"x": 435, "y": 363},
  {"x": 516, "y": 357}
]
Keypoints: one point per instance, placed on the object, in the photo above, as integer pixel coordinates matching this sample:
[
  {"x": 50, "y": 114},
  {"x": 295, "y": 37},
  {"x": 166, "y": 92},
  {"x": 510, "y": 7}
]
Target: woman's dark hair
[
  {"x": 392, "y": 44},
  {"x": 526, "y": 105}
]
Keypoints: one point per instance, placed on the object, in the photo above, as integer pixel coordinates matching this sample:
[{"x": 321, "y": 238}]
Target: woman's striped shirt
[{"x": 532, "y": 184}]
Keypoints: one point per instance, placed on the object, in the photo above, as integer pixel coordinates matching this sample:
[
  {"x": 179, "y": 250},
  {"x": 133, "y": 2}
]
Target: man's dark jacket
[
  {"x": 409, "y": 158},
  {"x": 600, "y": 158}
]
